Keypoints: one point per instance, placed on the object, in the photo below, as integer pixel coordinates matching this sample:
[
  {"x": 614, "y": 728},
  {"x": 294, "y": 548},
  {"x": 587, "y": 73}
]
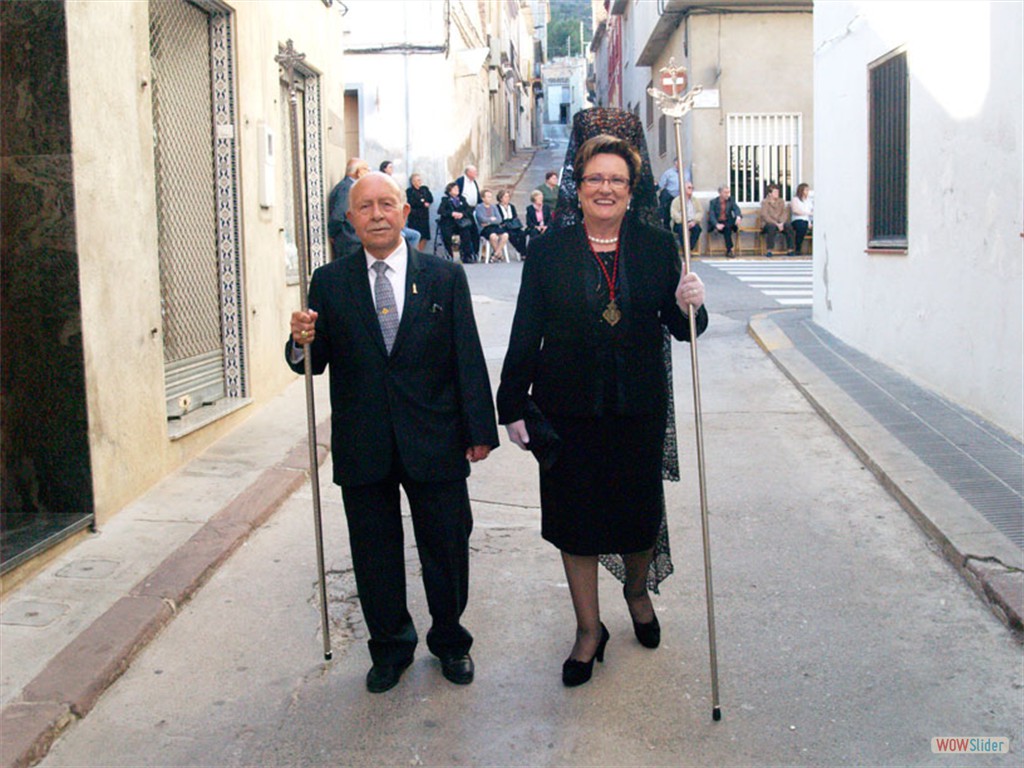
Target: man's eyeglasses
[{"x": 618, "y": 183}]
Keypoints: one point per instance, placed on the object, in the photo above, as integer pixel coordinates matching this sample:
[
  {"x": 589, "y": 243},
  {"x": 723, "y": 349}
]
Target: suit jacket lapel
[{"x": 413, "y": 297}]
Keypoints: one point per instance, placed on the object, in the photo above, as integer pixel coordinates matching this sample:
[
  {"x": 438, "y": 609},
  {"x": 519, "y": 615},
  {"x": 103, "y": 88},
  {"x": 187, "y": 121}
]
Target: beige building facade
[
  {"x": 148, "y": 147},
  {"x": 753, "y": 123}
]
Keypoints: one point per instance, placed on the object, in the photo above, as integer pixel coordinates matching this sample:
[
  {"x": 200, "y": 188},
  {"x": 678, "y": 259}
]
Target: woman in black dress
[
  {"x": 456, "y": 217},
  {"x": 419, "y": 198},
  {"x": 586, "y": 345}
]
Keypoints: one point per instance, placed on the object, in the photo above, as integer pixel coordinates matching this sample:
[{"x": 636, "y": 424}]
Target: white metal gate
[{"x": 196, "y": 203}]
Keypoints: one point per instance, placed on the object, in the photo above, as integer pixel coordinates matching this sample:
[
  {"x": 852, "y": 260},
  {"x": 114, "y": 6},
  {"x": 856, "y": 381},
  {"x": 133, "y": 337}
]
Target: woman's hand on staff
[
  {"x": 303, "y": 327},
  {"x": 689, "y": 292},
  {"x": 517, "y": 434}
]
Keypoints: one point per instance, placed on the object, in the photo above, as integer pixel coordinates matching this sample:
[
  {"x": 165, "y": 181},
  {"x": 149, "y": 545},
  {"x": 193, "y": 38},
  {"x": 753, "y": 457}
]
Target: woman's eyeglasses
[{"x": 618, "y": 183}]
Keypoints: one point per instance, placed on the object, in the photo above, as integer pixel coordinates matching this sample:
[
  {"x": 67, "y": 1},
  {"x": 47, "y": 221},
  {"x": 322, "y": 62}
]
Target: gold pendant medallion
[{"x": 611, "y": 313}]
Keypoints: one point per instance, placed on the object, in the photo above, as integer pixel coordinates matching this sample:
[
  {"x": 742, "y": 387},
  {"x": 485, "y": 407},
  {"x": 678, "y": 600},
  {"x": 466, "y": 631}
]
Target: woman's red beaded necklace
[{"x": 612, "y": 314}]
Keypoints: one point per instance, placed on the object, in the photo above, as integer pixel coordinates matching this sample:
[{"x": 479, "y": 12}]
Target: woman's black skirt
[{"x": 604, "y": 493}]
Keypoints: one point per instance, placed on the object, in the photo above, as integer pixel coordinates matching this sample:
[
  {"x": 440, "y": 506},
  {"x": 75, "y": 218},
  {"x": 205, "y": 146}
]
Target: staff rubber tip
[
  {"x": 327, "y": 656},
  {"x": 716, "y": 714}
]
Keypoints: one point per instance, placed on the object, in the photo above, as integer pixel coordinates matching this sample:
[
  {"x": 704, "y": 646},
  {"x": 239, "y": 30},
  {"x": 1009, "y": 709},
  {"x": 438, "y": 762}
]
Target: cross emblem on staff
[{"x": 671, "y": 98}]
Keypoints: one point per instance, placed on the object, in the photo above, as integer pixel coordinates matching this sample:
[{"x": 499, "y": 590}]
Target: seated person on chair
[
  {"x": 488, "y": 219},
  {"x": 456, "y": 217},
  {"x": 538, "y": 215},
  {"x": 803, "y": 215},
  {"x": 725, "y": 216},
  {"x": 775, "y": 219},
  {"x": 511, "y": 223},
  {"x": 694, "y": 213}
]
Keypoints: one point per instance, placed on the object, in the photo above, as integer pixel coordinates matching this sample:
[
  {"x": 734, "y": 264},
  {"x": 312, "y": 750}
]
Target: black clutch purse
[{"x": 545, "y": 444}]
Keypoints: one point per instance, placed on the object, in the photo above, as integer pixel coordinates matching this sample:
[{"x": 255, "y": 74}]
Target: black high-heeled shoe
[
  {"x": 578, "y": 672},
  {"x": 649, "y": 633}
]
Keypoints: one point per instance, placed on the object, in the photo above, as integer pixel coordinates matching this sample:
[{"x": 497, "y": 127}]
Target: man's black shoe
[
  {"x": 458, "y": 669},
  {"x": 384, "y": 677}
]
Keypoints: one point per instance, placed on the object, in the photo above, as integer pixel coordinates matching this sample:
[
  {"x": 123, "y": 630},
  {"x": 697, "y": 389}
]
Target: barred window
[
  {"x": 887, "y": 147},
  {"x": 763, "y": 149}
]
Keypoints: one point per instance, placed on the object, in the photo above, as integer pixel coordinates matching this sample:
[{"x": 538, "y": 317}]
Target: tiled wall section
[{"x": 46, "y": 481}]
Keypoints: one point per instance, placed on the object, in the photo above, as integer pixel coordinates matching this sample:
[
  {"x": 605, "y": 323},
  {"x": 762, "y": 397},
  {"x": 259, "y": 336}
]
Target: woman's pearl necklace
[{"x": 603, "y": 240}]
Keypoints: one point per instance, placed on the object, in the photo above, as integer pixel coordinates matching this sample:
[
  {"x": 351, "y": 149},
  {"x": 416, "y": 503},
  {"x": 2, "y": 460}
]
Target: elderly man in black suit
[{"x": 411, "y": 408}]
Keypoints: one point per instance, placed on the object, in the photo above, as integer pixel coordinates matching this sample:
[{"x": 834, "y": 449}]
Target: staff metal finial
[{"x": 288, "y": 58}]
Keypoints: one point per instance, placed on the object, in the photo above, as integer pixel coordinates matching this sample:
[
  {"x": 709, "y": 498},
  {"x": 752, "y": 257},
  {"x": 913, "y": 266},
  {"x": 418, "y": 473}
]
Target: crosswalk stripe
[{"x": 789, "y": 284}]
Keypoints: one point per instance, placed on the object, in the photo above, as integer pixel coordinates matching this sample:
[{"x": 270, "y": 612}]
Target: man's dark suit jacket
[
  {"x": 728, "y": 217},
  {"x": 557, "y": 330},
  {"x": 430, "y": 398}
]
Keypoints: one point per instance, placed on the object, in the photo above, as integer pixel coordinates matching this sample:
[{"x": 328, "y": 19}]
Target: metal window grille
[
  {"x": 650, "y": 104},
  {"x": 763, "y": 149},
  {"x": 186, "y": 204},
  {"x": 887, "y": 195}
]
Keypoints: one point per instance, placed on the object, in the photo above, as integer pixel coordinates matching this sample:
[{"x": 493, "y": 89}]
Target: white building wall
[
  {"x": 638, "y": 21},
  {"x": 950, "y": 312}
]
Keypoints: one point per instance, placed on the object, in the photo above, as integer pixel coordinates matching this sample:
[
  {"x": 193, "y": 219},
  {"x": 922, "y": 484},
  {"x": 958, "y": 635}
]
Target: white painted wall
[
  {"x": 429, "y": 112},
  {"x": 638, "y": 21},
  {"x": 950, "y": 312}
]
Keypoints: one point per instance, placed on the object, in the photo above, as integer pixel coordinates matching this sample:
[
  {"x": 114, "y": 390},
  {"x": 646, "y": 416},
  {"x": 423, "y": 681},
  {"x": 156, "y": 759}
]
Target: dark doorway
[{"x": 46, "y": 478}]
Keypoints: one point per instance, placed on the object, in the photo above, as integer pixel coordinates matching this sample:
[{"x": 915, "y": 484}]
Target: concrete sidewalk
[
  {"x": 75, "y": 627},
  {"x": 957, "y": 476}
]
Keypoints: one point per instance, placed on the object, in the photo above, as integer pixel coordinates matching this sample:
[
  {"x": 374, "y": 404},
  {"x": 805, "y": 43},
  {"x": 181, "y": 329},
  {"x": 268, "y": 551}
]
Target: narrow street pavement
[{"x": 844, "y": 636}]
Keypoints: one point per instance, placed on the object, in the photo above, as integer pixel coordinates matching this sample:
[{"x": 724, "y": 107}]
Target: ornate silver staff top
[{"x": 675, "y": 104}]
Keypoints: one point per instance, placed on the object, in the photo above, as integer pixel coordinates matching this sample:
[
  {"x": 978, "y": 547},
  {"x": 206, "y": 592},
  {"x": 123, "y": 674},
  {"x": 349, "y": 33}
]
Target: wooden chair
[{"x": 756, "y": 241}]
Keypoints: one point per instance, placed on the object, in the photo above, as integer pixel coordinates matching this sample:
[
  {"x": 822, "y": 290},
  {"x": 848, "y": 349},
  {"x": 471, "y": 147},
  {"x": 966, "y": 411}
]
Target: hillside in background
[{"x": 564, "y": 27}]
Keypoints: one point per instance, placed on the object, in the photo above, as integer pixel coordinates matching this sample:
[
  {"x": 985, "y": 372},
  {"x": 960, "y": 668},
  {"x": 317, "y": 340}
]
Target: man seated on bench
[
  {"x": 775, "y": 219},
  {"x": 725, "y": 216},
  {"x": 694, "y": 213}
]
